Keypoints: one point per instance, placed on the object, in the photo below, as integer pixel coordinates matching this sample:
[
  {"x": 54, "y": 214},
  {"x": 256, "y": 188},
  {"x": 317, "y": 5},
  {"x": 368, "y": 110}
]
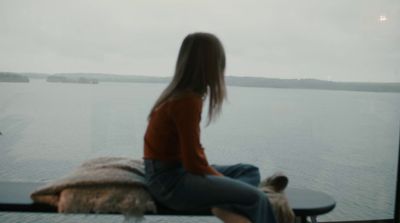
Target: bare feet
[{"x": 228, "y": 216}]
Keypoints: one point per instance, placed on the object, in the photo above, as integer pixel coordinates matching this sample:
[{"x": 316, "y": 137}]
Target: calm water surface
[{"x": 340, "y": 142}]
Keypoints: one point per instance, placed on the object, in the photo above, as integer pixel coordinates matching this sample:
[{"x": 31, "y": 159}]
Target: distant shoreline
[
  {"x": 13, "y": 77},
  {"x": 261, "y": 82}
]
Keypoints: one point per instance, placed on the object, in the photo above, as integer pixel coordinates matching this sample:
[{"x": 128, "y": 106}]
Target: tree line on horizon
[{"x": 231, "y": 80}]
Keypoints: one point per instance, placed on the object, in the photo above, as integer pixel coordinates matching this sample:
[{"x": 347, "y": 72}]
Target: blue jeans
[{"x": 172, "y": 186}]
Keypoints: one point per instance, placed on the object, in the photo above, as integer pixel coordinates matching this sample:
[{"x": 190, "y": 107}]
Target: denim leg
[
  {"x": 199, "y": 192},
  {"x": 236, "y": 191},
  {"x": 247, "y": 173}
]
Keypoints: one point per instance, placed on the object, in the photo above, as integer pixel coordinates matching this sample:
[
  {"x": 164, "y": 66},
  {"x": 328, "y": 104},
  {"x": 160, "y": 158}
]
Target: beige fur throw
[
  {"x": 101, "y": 185},
  {"x": 117, "y": 185}
]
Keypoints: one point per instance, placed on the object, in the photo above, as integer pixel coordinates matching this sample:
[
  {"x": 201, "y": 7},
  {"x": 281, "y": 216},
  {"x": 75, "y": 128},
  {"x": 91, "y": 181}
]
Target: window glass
[{"x": 313, "y": 89}]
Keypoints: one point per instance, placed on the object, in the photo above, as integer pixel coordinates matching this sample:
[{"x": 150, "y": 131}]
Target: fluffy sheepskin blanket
[
  {"x": 117, "y": 185},
  {"x": 101, "y": 185}
]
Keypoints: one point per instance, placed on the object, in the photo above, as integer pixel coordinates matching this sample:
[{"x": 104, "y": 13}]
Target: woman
[{"x": 177, "y": 170}]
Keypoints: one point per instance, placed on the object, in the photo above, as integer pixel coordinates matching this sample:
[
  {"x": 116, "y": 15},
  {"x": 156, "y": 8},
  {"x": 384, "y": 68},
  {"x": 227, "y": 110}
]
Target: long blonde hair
[{"x": 200, "y": 68}]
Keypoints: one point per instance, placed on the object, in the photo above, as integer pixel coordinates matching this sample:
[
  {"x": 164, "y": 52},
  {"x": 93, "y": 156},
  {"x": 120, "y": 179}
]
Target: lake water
[{"x": 340, "y": 142}]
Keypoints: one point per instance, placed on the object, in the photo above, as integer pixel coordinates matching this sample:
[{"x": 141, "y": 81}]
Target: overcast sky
[{"x": 340, "y": 40}]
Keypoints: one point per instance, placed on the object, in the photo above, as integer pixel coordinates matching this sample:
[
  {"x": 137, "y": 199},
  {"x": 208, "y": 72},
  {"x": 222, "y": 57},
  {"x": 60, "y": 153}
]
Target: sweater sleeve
[{"x": 187, "y": 115}]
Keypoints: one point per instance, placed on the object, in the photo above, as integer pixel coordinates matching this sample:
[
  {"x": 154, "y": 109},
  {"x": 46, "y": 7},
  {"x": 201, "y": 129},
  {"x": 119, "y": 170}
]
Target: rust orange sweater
[{"x": 173, "y": 134}]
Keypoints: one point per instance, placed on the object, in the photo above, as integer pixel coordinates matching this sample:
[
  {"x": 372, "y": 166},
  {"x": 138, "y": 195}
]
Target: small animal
[{"x": 274, "y": 187}]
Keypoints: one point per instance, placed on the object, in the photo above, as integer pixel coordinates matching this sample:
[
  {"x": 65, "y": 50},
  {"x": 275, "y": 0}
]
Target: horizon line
[{"x": 240, "y": 76}]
